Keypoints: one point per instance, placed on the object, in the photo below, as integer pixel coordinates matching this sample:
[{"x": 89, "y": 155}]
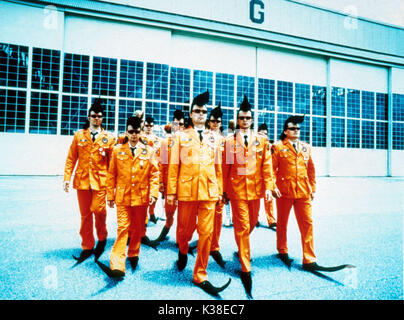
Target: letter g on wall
[{"x": 256, "y": 11}]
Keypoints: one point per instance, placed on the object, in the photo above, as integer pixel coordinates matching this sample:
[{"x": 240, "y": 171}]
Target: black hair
[
  {"x": 291, "y": 119},
  {"x": 95, "y": 107}
]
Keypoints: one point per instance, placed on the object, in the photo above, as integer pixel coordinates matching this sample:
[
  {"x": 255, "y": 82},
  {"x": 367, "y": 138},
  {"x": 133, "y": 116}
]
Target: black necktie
[
  {"x": 245, "y": 140},
  {"x": 294, "y": 145},
  {"x": 200, "y": 135},
  {"x": 93, "y": 135},
  {"x": 133, "y": 150}
]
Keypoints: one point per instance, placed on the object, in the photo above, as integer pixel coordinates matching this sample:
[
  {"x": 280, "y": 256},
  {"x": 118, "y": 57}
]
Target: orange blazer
[
  {"x": 195, "y": 171},
  {"x": 247, "y": 172},
  {"x": 294, "y": 172},
  {"x": 92, "y": 157},
  {"x": 132, "y": 179}
]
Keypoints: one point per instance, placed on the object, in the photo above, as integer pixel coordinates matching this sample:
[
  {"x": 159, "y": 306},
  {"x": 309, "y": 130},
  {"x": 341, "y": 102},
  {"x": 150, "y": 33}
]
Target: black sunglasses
[
  {"x": 244, "y": 118},
  {"x": 134, "y": 131},
  {"x": 95, "y": 116},
  {"x": 215, "y": 121},
  {"x": 200, "y": 111},
  {"x": 293, "y": 128}
]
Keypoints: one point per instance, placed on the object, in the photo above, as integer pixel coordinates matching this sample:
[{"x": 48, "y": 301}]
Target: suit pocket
[
  {"x": 120, "y": 191},
  {"x": 103, "y": 178},
  {"x": 185, "y": 187},
  {"x": 213, "y": 188}
]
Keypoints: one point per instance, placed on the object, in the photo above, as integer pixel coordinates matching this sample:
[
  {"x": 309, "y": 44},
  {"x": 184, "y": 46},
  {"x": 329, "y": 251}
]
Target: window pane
[
  {"x": 353, "y": 133},
  {"x": 305, "y": 129},
  {"x": 381, "y": 135},
  {"x": 368, "y": 134},
  {"x": 398, "y": 107},
  {"x": 285, "y": 96},
  {"x": 319, "y": 100},
  {"x": 12, "y": 110},
  {"x": 368, "y": 105},
  {"x": 43, "y": 113},
  {"x": 104, "y": 76},
  {"x": 180, "y": 85},
  {"x": 131, "y": 81},
  {"x": 157, "y": 81},
  {"x": 266, "y": 94},
  {"x": 302, "y": 99},
  {"x": 338, "y": 102},
  {"x": 158, "y": 111},
  {"x": 75, "y": 73},
  {"x": 74, "y": 114},
  {"x": 398, "y": 136},
  {"x": 246, "y": 86},
  {"x": 13, "y": 65},
  {"x": 381, "y": 106},
  {"x": 353, "y": 103},
  {"x": 224, "y": 89},
  {"x": 319, "y": 126},
  {"x": 338, "y": 132},
  {"x": 203, "y": 80},
  {"x": 45, "y": 69},
  {"x": 279, "y": 123}
]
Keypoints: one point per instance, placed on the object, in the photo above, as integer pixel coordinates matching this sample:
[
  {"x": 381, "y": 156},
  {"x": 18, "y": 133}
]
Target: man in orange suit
[
  {"x": 295, "y": 179},
  {"x": 177, "y": 125},
  {"x": 195, "y": 180},
  {"x": 247, "y": 177},
  {"x": 214, "y": 122},
  {"x": 132, "y": 184},
  {"x": 91, "y": 149},
  {"x": 268, "y": 205},
  {"x": 152, "y": 140}
]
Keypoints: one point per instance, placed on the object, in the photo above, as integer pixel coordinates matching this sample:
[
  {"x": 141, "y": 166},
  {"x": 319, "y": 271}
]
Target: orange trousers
[
  {"x": 130, "y": 220},
  {"x": 92, "y": 202},
  {"x": 245, "y": 218},
  {"x": 169, "y": 211},
  {"x": 302, "y": 209},
  {"x": 269, "y": 212},
  {"x": 197, "y": 215},
  {"x": 217, "y": 226}
]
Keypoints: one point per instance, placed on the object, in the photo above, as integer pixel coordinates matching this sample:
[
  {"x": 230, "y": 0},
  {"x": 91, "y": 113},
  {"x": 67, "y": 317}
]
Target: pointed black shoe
[
  {"x": 146, "y": 241},
  {"x": 272, "y": 226},
  {"x": 315, "y": 267},
  {"x": 163, "y": 235},
  {"x": 285, "y": 259},
  {"x": 153, "y": 218},
  {"x": 211, "y": 289},
  {"x": 99, "y": 249},
  {"x": 217, "y": 256},
  {"x": 84, "y": 254},
  {"x": 114, "y": 274},
  {"x": 247, "y": 283},
  {"x": 182, "y": 261},
  {"x": 133, "y": 262}
]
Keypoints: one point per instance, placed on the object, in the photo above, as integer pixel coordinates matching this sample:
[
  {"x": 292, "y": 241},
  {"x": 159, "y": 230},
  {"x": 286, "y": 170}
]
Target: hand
[
  {"x": 219, "y": 200},
  {"x": 268, "y": 195},
  {"x": 225, "y": 199},
  {"x": 170, "y": 199},
  {"x": 312, "y": 196},
  {"x": 276, "y": 193},
  {"x": 66, "y": 185},
  {"x": 111, "y": 203},
  {"x": 152, "y": 200}
]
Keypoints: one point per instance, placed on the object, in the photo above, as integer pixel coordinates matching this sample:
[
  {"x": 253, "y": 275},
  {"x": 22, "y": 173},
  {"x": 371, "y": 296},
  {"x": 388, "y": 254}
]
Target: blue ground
[{"x": 356, "y": 220}]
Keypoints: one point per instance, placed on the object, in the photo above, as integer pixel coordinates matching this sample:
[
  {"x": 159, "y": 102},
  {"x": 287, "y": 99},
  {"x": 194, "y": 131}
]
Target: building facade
[{"x": 345, "y": 73}]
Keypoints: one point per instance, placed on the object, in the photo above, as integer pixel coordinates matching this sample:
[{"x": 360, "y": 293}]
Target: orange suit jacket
[
  {"x": 132, "y": 179},
  {"x": 247, "y": 172},
  {"x": 294, "y": 172},
  {"x": 92, "y": 157},
  {"x": 195, "y": 171}
]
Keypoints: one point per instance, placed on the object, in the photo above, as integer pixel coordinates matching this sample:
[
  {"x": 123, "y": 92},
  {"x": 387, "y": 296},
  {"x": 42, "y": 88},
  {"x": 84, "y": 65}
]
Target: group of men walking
[{"x": 198, "y": 170}]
